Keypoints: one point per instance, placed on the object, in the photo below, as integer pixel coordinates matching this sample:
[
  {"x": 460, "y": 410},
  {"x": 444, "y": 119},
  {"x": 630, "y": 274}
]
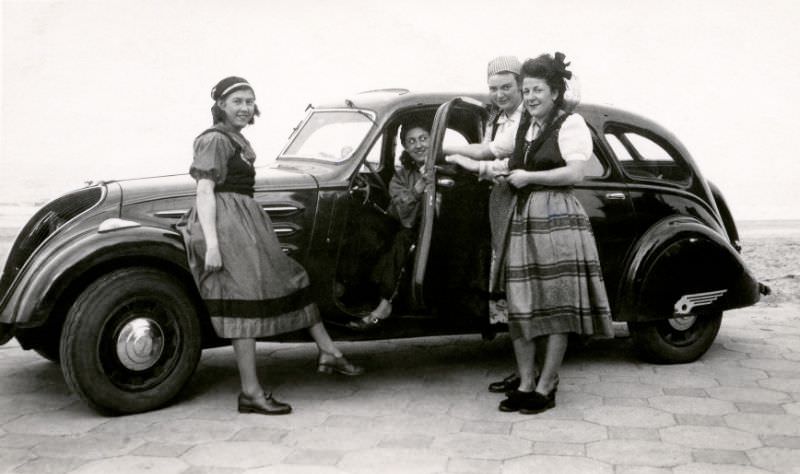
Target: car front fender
[
  {"x": 679, "y": 267},
  {"x": 64, "y": 270}
]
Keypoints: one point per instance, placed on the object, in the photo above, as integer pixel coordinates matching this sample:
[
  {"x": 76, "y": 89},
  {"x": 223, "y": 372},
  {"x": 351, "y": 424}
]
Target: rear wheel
[
  {"x": 131, "y": 341},
  {"x": 675, "y": 340}
]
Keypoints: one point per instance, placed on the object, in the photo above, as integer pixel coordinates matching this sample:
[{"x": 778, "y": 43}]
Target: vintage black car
[{"x": 98, "y": 281}]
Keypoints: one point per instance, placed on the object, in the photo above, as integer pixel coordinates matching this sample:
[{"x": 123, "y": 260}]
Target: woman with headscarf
[{"x": 250, "y": 287}]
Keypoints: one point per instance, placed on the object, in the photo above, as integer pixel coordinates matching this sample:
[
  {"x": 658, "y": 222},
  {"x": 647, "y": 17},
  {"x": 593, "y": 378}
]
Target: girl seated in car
[{"x": 405, "y": 190}]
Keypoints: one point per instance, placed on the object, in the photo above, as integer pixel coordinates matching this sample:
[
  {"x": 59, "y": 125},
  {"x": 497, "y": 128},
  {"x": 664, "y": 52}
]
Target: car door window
[
  {"x": 374, "y": 156},
  {"x": 643, "y": 158}
]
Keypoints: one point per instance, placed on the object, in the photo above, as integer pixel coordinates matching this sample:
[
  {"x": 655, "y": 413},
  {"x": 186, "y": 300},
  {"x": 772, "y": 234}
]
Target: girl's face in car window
[{"x": 416, "y": 144}]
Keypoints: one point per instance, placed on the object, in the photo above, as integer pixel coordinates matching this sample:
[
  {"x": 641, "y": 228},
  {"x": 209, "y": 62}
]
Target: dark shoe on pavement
[
  {"x": 538, "y": 403},
  {"x": 267, "y": 406},
  {"x": 515, "y": 400},
  {"x": 329, "y": 363},
  {"x": 506, "y": 385}
]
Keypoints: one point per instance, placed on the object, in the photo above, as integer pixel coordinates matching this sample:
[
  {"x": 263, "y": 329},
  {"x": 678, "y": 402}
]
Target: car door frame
[{"x": 427, "y": 219}]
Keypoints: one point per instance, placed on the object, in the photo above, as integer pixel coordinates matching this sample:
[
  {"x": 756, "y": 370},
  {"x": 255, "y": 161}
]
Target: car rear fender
[
  {"x": 680, "y": 267},
  {"x": 725, "y": 215},
  {"x": 61, "y": 274}
]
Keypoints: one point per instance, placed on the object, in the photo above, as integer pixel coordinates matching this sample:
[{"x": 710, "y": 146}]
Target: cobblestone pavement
[{"x": 423, "y": 408}]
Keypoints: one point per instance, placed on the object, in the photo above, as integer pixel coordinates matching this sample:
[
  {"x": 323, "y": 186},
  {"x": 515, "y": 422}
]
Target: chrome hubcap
[
  {"x": 683, "y": 323},
  {"x": 140, "y": 344}
]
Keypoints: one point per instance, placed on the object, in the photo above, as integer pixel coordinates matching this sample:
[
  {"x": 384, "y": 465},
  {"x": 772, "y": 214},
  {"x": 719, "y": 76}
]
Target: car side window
[
  {"x": 618, "y": 148},
  {"x": 374, "y": 155},
  {"x": 643, "y": 158}
]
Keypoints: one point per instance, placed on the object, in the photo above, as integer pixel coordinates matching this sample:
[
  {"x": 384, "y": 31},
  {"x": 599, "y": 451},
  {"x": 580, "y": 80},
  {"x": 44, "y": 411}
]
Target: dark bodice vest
[
  {"x": 241, "y": 175},
  {"x": 542, "y": 154}
]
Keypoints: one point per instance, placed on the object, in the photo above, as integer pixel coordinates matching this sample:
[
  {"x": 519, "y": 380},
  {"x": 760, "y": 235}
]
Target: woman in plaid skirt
[{"x": 552, "y": 271}]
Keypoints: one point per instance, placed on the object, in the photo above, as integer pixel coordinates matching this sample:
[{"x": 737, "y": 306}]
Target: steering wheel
[
  {"x": 361, "y": 184},
  {"x": 374, "y": 173}
]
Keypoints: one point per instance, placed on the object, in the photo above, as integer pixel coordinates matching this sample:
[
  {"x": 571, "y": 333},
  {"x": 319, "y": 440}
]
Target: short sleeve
[
  {"x": 503, "y": 144},
  {"x": 210, "y": 157},
  {"x": 575, "y": 139}
]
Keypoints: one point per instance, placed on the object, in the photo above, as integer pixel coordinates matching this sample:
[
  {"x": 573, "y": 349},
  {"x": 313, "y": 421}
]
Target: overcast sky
[{"x": 113, "y": 89}]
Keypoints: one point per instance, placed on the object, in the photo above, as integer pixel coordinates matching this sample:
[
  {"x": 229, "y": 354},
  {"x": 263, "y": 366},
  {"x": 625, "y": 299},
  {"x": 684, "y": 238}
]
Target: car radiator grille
[{"x": 42, "y": 225}]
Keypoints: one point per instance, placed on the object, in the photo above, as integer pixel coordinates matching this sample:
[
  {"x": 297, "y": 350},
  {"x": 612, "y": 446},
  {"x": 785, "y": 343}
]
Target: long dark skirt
[{"x": 260, "y": 291}]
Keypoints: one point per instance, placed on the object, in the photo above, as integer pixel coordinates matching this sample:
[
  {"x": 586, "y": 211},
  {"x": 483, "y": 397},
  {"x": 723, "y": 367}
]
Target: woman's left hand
[
  {"x": 519, "y": 178},
  {"x": 213, "y": 260},
  {"x": 421, "y": 184}
]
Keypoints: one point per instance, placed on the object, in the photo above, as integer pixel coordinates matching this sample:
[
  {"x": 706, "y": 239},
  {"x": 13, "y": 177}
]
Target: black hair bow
[{"x": 562, "y": 66}]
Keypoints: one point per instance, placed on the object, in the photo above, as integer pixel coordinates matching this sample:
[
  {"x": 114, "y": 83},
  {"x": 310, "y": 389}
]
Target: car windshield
[{"x": 329, "y": 135}]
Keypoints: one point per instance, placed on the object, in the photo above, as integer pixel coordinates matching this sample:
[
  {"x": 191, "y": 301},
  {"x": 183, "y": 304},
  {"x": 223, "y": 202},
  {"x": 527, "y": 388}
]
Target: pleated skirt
[
  {"x": 553, "y": 278},
  {"x": 260, "y": 291}
]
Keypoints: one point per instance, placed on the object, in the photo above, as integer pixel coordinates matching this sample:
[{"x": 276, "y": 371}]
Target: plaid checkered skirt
[{"x": 552, "y": 274}]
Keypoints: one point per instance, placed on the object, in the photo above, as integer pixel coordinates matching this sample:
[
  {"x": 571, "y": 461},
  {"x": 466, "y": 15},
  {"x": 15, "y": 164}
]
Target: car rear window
[{"x": 643, "y": 158}]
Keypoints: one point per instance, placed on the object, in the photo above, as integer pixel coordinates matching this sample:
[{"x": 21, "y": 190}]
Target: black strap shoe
[
  {"x": 506, "y": 385},
  {"x": 516, "y": 401},
  {"x": 265, "y": 406},
  {"x": 538, "y": 403}
]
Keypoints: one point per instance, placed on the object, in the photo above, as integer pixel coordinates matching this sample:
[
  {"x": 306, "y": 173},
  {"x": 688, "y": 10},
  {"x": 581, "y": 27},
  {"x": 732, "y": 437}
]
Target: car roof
[
  {"x": 387, "y": 100},
  {"x": 384, "y": 100}
]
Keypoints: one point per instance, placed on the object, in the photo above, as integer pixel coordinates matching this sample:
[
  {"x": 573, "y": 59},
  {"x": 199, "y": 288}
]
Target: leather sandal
[
  {"x": 366, "y": 323},
  {"x": 329, "y": 363}
]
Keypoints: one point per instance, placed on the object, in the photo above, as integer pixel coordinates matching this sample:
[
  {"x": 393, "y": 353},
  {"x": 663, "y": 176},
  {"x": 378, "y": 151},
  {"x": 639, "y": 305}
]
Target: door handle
[{"x": 615, "y": 196}]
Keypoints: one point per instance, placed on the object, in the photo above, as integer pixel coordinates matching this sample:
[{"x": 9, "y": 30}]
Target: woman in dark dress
[
  {"x": 552, "y": 271},
  {"x": 250, "y": 287}
]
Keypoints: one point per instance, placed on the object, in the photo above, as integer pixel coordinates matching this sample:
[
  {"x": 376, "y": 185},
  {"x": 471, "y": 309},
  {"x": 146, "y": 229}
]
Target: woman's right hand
[
  {"x": 519, "y": 178},
  {"x": 213, "y": 259}
]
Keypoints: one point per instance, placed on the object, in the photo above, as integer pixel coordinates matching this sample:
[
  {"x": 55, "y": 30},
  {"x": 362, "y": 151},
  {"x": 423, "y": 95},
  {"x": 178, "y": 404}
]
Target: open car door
[{"x": 429, "y": 204}]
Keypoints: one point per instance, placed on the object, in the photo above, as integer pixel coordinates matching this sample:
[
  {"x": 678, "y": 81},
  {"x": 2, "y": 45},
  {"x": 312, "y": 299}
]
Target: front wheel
[
  {"x": 130, "y": 341},
  {"x": 675, "y": 340}
]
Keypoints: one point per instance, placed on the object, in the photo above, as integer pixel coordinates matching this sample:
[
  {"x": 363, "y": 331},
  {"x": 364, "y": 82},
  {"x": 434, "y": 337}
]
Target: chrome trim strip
[
  {"x": 284, "y": 230},
  {"x": 178, "y": 213},
  {"x": 268, "y": 208},
  {"x": 172, "y": 214},
  {"x": 115, "y": 223}
]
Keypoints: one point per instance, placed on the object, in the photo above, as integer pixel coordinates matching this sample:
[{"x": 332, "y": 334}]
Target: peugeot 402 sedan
[{"x": 98, "y": 280}]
